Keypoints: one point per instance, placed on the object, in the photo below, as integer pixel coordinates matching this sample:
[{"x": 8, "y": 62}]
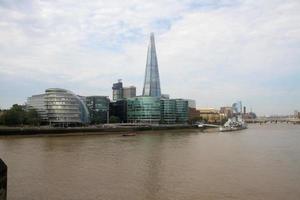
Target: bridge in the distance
[{"x": 274, "y": 120}]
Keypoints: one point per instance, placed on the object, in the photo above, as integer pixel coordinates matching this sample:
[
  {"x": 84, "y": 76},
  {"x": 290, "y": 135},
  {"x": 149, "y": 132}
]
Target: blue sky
[{"x": 215, "y": 52}]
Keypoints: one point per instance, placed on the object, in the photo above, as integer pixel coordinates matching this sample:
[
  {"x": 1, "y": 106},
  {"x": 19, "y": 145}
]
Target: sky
[{"x": 214, "y": 51}]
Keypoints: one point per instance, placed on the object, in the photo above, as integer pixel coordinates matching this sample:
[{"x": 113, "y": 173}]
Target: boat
[
  {"x": 129, "y": 134},
  {"x": 234, "y": 124}
]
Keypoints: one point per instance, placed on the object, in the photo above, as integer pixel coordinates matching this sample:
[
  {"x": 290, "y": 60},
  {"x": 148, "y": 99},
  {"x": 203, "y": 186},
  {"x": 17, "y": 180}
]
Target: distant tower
[
  {"x": 129, "y": 92},
  {"x": 151, "y": 81},
  {"x": 117, "y": 90}
]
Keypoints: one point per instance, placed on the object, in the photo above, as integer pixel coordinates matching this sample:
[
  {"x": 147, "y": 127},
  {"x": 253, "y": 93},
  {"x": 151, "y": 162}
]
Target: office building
[
  {"x": 165, "y": 96},
  {"x": 210, "y": 115},
  {"x": 129, "y": 92},
  {"x": 59, "y": 107},
  {"x": 64, "y": 108},
  {"x": 143, "y": 109},
  {"x": 98, "y": 107},
  {"x": 181, "y": 111},
  {"x": 118, "y": 110},
  {"x": 117, "y": 90},
  {"x": 226, "y": 111},
  {"x": 151, "y": 80},
  {"x": 191, "y": 103},
  {"x": 296, "y": 114},
  {"x": 168, "y": 111},
  {"x": 38, "y": 103}
]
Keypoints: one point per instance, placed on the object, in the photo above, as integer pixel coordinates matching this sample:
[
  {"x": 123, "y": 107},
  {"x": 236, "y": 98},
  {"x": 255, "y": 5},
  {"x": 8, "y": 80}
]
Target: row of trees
[{"x": 17, "y": 115}]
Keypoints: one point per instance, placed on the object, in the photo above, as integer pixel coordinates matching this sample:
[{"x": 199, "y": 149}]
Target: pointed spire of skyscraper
[{"x": 151, "y": 81}]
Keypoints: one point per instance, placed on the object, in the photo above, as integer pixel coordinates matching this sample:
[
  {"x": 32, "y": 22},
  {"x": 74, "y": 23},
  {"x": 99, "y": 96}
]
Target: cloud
[{"x": 213, "y": 51}]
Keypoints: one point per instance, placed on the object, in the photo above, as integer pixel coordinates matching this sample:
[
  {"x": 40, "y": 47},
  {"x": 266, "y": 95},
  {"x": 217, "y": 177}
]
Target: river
[{"x": 262, "y": 162}]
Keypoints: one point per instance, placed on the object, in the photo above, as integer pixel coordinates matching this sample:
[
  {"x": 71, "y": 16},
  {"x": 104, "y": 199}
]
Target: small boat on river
[{"x": 129, "y": 134}]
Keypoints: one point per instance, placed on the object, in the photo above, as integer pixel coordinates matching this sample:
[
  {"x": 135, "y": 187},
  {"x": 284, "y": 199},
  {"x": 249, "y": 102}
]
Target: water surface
[{"x": 262, "y": 162}]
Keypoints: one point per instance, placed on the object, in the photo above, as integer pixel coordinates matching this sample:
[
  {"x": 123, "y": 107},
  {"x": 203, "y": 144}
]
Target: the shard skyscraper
[{"x": 151, "y": 81}]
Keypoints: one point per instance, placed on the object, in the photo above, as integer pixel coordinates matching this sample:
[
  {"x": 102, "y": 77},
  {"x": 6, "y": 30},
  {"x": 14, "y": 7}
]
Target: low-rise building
[
  {"x": 143, "y": 109},
  {"x": 98, "y": 108},
  {"x": 296, "y": 114},
  {"x": 226, "y": 111},
  {"x": 182, "y": 111},
  {"x": 154, "y": 110},
  {"x": 60, "y": 107},
  {"x": 210, "y": 115},
  {"x": 65, "y": 108},
  {"x": 38, "y": 103},
  {"x": 168, "y": 111},
  {"x": 118, "y": 110}
]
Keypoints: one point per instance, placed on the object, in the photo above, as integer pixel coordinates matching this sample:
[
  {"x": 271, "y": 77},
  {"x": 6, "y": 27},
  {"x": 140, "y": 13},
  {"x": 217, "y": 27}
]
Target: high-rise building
[
  {"x": 151, "y": 81},
  {"x": 117, "y": 90},
  {"x": 129, "y": 92}
]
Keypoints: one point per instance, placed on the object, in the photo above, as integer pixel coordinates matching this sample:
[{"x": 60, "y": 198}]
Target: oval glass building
[{"x": 65, "y": 108}]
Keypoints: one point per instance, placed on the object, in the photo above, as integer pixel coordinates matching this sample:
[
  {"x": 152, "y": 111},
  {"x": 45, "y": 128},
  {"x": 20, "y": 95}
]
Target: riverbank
[{"x": 7, "y": 131}]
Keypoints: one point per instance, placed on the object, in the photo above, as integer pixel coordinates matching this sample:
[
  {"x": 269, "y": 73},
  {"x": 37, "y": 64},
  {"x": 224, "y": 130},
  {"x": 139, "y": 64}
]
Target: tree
[
  {"x": 14, "y": 116},
  {"x": 32, "y": 117},
  {"x": 17, "y": 115},
  {"x": 114, "y": 119}
]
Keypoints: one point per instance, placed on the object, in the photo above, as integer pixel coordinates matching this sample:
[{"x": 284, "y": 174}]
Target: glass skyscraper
[
  {"x": 152, "y": 107},
  {"x": 151, "y": 81}
]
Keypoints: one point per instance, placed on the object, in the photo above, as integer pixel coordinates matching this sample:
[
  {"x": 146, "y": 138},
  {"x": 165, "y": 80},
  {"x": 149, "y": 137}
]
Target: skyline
[{"x": 216, "y": 52}]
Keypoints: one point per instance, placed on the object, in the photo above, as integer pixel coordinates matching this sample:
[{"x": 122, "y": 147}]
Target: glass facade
[
  {"x": 118, "y": 109},
  {"x": 182, "y": 111},
  {"x": 156, "y": 110},
  {"x": 117, "y": 90},
  {"x": 151, "y": 81},
  {"x": 98, "y": 108},
  {"x": 168, "y": 111},
  {"x": 38, "y": 103},
  {"x": 143, "y": 110},
  {"x": 65, "y": 107}
]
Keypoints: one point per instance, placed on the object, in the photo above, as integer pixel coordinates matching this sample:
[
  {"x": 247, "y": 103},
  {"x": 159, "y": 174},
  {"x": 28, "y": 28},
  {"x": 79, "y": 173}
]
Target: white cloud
[{"x": 212, "y": 51}]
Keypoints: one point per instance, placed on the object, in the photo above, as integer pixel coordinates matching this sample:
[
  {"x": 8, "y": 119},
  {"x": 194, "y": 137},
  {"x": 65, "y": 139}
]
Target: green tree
[
  {"x": 32, "y": 117},
  {"x": 114, "y": 119},
  {"x": 14, "y": 116},
  {"x": 17, "y": 115}
]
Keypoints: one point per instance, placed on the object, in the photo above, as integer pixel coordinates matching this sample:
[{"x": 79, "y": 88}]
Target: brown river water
[{"x": 262, "y": 162}]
